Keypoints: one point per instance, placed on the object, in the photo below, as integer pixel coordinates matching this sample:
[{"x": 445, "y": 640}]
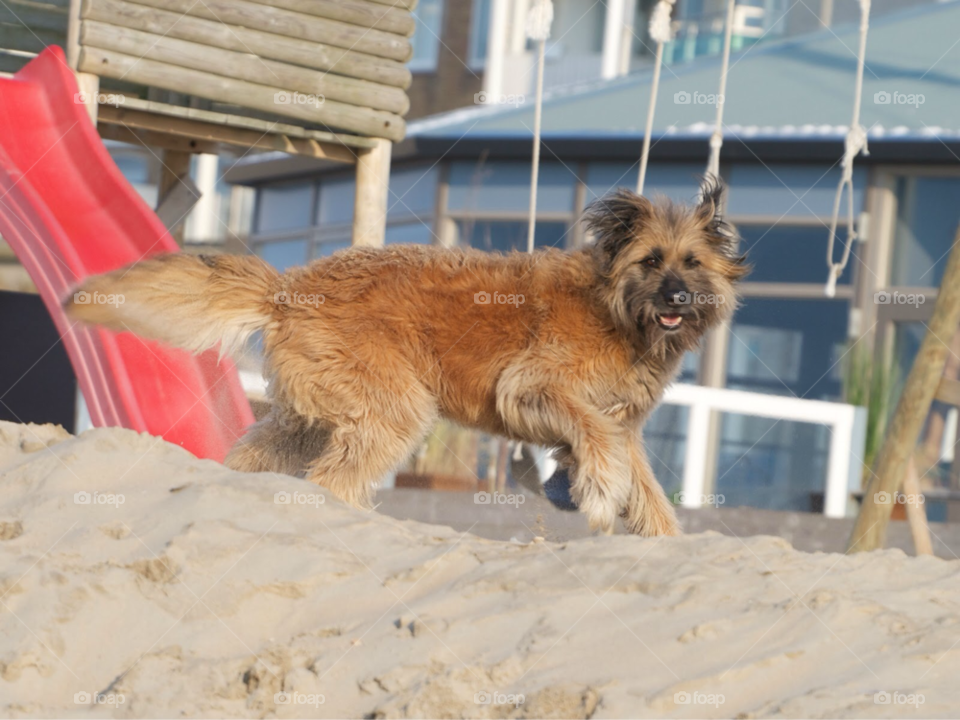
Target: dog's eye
[
  {"x": 651, "y": 262},
  {"x": 692, "y": 262}
]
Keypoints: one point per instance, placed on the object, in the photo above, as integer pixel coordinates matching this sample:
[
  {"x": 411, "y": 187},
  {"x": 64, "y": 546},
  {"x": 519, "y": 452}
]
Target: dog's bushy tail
[{"x": 189, "y": 301}]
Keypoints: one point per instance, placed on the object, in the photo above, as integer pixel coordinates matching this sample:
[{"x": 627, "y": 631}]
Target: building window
[
  {"x": 479, "y": 32},
  {"x": 927, "y": 217},
  {"x": 284, "y": 207},
  {"x": 426, "y": 38},
  {"x": 504, "y": 187},
  {"x": 506, "y": 236},
  {"x": 785, "y": 253},
  {"x": 283, "y": 254}
]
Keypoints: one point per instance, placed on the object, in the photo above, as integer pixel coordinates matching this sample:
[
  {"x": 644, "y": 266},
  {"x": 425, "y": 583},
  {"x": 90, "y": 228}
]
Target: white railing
[{"x": 847, "y": 423}]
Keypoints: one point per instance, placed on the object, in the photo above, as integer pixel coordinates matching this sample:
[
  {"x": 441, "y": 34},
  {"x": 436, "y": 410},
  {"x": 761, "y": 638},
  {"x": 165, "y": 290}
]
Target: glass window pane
[
  {"x": 325, "y": 249},
  {"x": 479, "y": 30},
  {"x": 284, "y": 207},
  {"x": 504, "y": 236},
  {"x": 426, "y": 37},
  {"x": 415, "y": 232},
  {"x": 782, "y": 253},
  {"x": 791, "y": 190},
  {"x": 285, "y": 254},
  {"x": 788, "y": 347},
  {"x": 772, "y": 464},
  {"x": 680, "y": 183},
  {"x": 927, "y": 216},
  {"x": 412, "y": 193},
  {"x": 505, "y": 187},
  {"x": 336, "y": 202},
  {"x": 665, "y": 439}
]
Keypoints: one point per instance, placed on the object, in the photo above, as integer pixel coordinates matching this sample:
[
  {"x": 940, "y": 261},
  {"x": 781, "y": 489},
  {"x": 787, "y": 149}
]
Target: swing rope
[
  {"x": 660, "y": 32},
  {"x": 716, "y": 140},
  {"x": 539, "y": 20},
  {"x": 854, "y": 142}
]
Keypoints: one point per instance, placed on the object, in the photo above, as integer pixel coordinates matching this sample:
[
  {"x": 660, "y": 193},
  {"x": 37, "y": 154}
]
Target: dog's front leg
[
  {"x": 649, "y": 512},
  {"x": 596, "y": 447}
]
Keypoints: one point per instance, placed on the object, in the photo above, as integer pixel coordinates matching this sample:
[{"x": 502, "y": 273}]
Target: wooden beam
[
  {"x": 152, "y": 138},
  {"x": 364, "y": 121},
  {"x": 918, "y": 392},
  {"x": 357, "y": 12},
  {"x": 304, "y": 53},
  {"x": 243, "y": 66},
  {"x": 293, "y": 25},
  {"x": 176, "y": 192},
  {"x": 916, "y": 514},
  {"x": 948, "y": 392},
  {"x": 217, "y": 133}
]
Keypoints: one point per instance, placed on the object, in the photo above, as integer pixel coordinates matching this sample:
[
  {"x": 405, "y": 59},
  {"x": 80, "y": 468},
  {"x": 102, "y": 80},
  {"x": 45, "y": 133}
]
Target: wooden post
[
  {"x": 87, "y": 83},
  {"x": 175, "y": 169},
  {"x": 916, "y": 514},
  {"x": 905, "y": 425},
  {"x": 370, "y": 203}
]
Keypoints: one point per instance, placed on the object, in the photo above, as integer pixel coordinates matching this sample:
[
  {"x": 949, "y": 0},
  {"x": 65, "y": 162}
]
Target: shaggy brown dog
[{"x": 366, "y": 349}]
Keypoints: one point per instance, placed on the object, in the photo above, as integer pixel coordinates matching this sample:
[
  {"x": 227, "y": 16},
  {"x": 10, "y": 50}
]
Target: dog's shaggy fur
[{"x": 366, "y": 349}]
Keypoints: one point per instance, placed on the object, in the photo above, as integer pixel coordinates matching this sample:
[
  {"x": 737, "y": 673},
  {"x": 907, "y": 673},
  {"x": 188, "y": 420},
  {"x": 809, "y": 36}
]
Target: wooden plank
[
  {"x": 152, "y": 138},
  {"x": 364, "y": 121},
  {"x": 904, "y": 428},
  {"x": 948, "y": 392},
  {"x": 243, "y": 66},
  {"x": 218, "y": 133},
  {"x": 240, "y": 39},
  {"x": 405, "y": 4},
  {"x": 36, "y": 15},
  {"x": 292, "y": 25},
  {"x": 18, "y": 37},
  {"x": 259, "y": 125},
  {"x": 357, "y": 12},
  {"x": 370, "y": 196}
]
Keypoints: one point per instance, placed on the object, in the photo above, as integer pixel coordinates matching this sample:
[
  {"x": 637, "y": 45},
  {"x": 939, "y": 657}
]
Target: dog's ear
[
  {"x": 614, "y": 220},
  {"x": 721, "y": 234}
]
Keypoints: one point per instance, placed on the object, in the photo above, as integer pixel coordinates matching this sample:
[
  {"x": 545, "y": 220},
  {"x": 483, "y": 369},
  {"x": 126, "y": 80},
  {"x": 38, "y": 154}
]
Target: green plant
[{"x": 872, "y": 384}]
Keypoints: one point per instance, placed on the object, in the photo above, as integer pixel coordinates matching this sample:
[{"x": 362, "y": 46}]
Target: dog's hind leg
[
  {"x": 383, "y": 429},
  {"x": 281, "y": 442},
  {"x": 648, "y": 512}
]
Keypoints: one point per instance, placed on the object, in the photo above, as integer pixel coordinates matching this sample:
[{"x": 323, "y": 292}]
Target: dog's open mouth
[{"x": 669, "y": 321}]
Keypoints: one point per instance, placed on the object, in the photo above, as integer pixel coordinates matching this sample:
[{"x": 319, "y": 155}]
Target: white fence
[{"x": 847, "y": 423}]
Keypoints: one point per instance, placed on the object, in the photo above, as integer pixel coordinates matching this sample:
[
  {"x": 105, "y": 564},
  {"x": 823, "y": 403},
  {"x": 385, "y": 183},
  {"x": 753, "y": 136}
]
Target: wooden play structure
[{"x": 320, "y": 78}]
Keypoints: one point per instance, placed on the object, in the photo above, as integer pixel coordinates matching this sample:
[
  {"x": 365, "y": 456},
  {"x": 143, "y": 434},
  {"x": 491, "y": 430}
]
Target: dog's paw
[{"x": 653, "y": 518}]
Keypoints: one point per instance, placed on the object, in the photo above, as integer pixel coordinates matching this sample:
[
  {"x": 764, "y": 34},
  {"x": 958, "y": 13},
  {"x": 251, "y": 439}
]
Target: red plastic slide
[{"x": 67, "y": 212}]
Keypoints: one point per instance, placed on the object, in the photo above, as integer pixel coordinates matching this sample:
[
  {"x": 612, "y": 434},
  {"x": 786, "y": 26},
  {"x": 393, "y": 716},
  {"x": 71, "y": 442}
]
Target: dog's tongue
[{"x": 670, "y": 320}]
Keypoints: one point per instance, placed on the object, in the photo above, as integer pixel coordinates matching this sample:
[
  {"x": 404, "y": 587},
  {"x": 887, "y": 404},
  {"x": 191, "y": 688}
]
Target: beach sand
[{"x": 164, "y": 586}]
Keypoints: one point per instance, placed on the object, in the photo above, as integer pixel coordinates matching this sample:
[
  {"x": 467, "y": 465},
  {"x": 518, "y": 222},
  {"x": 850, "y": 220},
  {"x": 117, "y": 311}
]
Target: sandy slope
[{"x": 200, "y": 595}]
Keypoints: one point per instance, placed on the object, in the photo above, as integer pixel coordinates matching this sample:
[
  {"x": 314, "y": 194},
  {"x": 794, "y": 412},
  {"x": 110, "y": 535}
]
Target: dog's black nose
[{"x": 674, "y": 291}]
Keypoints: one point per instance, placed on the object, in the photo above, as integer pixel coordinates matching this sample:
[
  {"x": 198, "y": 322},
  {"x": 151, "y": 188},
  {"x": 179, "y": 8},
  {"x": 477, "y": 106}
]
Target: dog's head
[{"x": 668, "y": 271}]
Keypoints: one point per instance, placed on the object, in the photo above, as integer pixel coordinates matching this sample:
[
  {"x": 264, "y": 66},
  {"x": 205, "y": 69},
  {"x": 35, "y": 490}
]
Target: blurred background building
[{"x": 461, "y": 179}]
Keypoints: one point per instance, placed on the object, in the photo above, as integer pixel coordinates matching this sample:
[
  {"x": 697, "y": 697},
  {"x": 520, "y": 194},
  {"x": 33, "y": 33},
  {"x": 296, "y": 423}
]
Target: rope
[
  {"x": 853, "y": 144},
  {"x": 716, "y": 140},
  {"x": 539, "y": 20},
  {"x": 661, "y": 32}
]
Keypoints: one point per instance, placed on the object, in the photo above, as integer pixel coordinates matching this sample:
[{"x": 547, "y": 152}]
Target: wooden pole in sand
[
  {"x": 870, "y": 530},
  {"x": 916, "y": 514}
]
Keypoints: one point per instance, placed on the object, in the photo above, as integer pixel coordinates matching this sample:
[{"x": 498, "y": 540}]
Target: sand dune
[{"x": 164, "y": 586}]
